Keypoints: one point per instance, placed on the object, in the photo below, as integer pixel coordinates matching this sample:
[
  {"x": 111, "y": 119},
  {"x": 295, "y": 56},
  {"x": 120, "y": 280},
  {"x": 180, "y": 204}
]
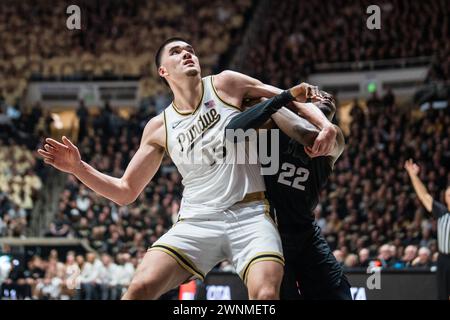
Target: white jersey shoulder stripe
[{"x": 218, "y": 97}]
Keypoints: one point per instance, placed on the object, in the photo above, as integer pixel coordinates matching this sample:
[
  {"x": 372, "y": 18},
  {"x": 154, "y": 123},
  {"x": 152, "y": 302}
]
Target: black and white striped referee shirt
[{"x": 442, "y": 214}]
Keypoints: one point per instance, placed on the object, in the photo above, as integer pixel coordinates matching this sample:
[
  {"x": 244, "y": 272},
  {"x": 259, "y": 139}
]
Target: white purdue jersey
[{"x": 193, "y": 140}]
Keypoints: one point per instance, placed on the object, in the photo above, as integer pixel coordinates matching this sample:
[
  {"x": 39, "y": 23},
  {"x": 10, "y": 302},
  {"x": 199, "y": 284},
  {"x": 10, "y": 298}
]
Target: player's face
[{"x": 178, "y": 60}]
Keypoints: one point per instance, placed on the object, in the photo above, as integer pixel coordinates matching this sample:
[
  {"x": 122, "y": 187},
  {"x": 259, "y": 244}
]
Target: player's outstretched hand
[
  {"x": 63, "y": 156},
  {"x": 412, "y": 168}
]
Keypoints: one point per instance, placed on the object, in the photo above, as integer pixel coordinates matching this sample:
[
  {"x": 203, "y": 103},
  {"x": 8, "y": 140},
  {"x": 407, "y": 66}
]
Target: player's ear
[{"x": 162, "y": 71}]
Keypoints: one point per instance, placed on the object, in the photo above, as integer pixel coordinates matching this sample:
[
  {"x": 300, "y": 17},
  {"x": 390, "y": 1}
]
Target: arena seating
[
  {"x": 117, "y": 39},
  {"x": 368, "y": 212}
]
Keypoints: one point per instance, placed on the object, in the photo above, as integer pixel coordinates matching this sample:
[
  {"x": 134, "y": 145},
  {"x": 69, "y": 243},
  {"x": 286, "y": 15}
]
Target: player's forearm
[
  {"x": 255, "y": 88},
  {"x": 296, "y": 127},
  {"x": 106, "y": 186},
  {"x": 257, "y": 115},
  {"x": 419, "y": 187},
  {"x": 313, "y": 114}
]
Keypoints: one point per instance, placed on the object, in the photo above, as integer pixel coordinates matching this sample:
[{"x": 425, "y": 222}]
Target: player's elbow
[
  {"x": 339, "y": 143},
  {"x": 340, "y": 139},
  {"x": 126, "y": 196},
  {"x": 127, "y": 199},
  {"x": 123, "y": 201},
  {"x": 305, "y": 136}
]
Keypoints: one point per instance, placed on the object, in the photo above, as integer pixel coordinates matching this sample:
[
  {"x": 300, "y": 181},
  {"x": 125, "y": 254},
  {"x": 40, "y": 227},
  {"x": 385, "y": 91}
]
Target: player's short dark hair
[{"x": 160, "y": 51}]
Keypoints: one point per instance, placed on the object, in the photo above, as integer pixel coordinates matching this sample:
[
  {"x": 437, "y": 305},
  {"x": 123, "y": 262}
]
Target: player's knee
[
  {"x": 141, "y": 289},
  {"x": 266, "y": 293}
]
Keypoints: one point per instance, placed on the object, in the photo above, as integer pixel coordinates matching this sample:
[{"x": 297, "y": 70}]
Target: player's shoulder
[
  {"x": 155, "y": 122},
  {"x": 154, "y": 131},
  {"x": 228, "y": 74},
  {"x": 227, "y": 77}
]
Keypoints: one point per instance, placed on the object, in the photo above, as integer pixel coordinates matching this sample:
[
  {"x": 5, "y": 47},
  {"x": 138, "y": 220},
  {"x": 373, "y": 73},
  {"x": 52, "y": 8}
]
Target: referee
[{"x": 442, "y": 214}]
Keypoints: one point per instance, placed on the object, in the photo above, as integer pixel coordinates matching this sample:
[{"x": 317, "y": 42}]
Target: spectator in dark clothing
[
  {"x": 15, "y": 286},
  {"x": 364, "y": 258},
  {"x": 389, "y": 98},
  {"x": 60, "y": 227}
]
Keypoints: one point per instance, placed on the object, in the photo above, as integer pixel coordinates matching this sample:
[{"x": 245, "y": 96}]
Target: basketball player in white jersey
[{"x": 223, "y": 213}]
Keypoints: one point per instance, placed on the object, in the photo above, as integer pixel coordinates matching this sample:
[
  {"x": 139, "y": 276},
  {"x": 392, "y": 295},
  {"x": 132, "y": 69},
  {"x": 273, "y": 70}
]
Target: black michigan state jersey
[{"x": 294, "y": 190}]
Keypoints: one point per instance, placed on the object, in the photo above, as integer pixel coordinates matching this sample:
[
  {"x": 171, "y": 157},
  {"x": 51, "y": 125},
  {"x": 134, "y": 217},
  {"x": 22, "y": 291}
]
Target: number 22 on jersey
[{"x": 287, "y": 176}]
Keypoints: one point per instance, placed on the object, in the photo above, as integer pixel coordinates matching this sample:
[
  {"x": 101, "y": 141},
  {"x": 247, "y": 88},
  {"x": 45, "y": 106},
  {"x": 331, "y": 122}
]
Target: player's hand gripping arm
[
  {"x": 141, "y": 169},
  {"x": 422, "y": 192},
  {"x": 293, "y": 125},
  {"x": 305, "y": 133}
]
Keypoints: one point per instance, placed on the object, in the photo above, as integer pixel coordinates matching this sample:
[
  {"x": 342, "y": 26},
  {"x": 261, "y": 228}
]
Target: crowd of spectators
[
  {"x": 117, "y": 38},
  {"x": 21, "y": 173},
  {"x": 299, "y": 35},
  {"x": 369, "y": 205},
  {"x": 78, "y": 276}
]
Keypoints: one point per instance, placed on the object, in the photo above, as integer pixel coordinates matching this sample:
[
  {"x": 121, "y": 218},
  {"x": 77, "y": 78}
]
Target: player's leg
[
  {"x": 320, "y": 276},
  {"x": 289, "y": 289},
  {"x": 264, "y": 280},
  {"x": 189, "y": 248},
  {"x": 341, "y": 292},
  {"x": 157, "y": 274},
  {"x": 291, "y": 250},
  {"x": 256, "y": 248}
]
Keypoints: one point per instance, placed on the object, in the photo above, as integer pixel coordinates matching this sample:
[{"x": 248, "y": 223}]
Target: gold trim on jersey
[
  {"x": 188, "y": 113},
  {"x": 218, "y": 97},
  {"x": 254, "y": 196},
  {"x": 167, "y": 135}
]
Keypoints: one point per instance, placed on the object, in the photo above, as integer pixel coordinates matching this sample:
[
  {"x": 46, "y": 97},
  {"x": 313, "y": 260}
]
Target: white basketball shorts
[{"x": 243, "y": 234}]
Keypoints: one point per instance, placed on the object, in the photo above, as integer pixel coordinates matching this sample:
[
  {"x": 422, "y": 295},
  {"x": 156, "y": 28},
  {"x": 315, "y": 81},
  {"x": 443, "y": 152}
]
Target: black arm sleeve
[{"x": 256, "y": 116}]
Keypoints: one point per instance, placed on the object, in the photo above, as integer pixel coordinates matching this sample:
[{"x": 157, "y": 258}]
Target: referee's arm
[{"x": 422, "y": 192}]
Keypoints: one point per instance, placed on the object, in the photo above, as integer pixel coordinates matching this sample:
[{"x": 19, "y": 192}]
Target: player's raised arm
[
  {"x": 141, "y": 169},
  {"x": 237, "y": 86},
  {"x": 422, "y": 192},
  {"x": 257, "y": 115},
  {"x": 290, "y": 123}
]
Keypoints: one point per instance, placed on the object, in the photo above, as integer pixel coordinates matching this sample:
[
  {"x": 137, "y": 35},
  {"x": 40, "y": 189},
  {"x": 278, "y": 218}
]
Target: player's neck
[{"x": 187, "y": 94}]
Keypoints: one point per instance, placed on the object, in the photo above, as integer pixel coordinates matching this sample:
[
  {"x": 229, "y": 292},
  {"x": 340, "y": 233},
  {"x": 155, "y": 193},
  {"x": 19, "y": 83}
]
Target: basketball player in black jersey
[{"x": 311, "y": 270}]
